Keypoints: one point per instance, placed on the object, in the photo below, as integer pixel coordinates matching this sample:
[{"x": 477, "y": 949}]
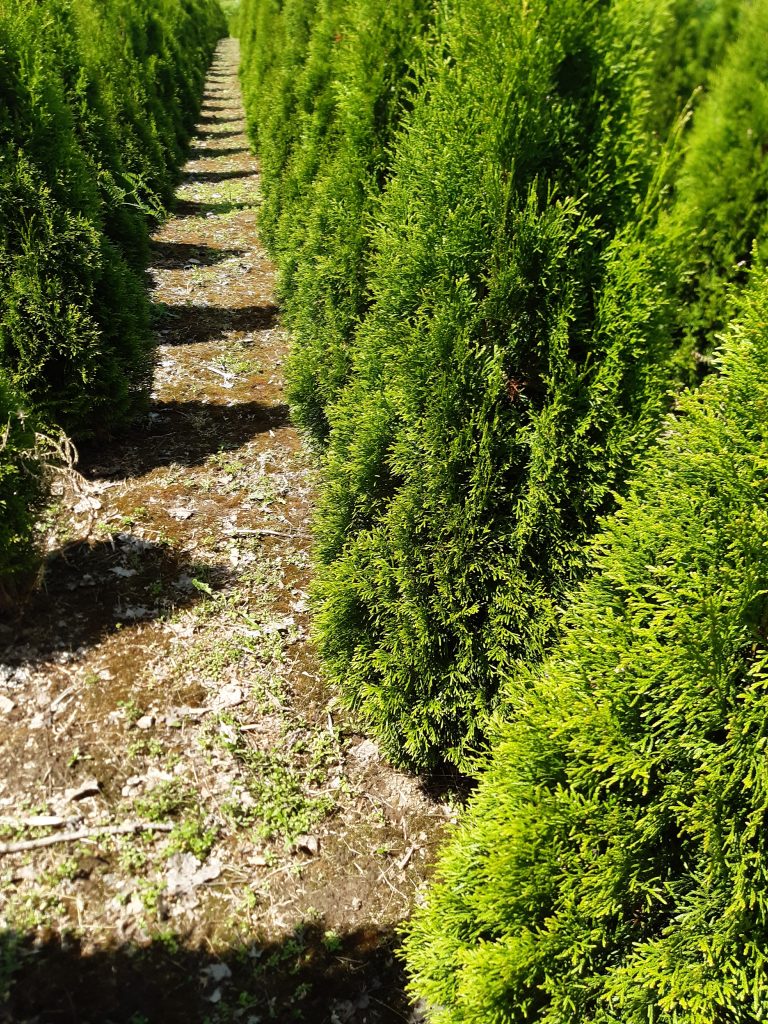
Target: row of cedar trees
[
  {"x": 513, "y": 238},
  {"x": 97, "y": 101}
]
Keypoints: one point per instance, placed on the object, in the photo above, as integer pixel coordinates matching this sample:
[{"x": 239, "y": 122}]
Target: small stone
[
  {"x": 145, "y": 722},
  {"x": 91, "y": 787},
  {"x": 181, "y": 514},
  {"x": 216, "y": 973},
  {"x": 46, "y": 821},
  {"x": 365, "y": 752},
  {"x": 279, "y": 625},
  {"x": 310, "y": 844},
  {"x": 87, "y": 504},
  {"x": 228, "y": 697}
]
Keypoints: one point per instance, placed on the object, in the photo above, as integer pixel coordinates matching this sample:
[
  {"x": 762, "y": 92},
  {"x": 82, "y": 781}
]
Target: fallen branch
[
  {"x": 39, "y": 821},
  {"x": 223, "y": 373},
  {"x": 85, "y": 833},
  {"x": 268, "y": 533}
]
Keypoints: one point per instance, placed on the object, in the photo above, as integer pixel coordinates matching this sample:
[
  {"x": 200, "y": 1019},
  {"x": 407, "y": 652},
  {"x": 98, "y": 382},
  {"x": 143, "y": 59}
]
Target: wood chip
[
  {"x": 404, "y": 861},
  {"x": 38, "y": 821},
  {"x": 269, "y": 533}
]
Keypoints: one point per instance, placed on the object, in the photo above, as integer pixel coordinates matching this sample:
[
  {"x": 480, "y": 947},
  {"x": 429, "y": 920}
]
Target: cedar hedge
[
  {"x": 97, "y": 101},
  {"x": 493, "y": 289},
  {"x": 350, "y": 95},
  {"x": 612, "y": 863},
  {"x": 491, "y": 408},
  {"x": 21, "y": 490}
]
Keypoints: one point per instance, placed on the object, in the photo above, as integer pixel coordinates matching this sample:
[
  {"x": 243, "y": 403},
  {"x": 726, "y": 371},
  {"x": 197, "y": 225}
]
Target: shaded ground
[
  {"x": 163, "y": 683},
  {"x": 304, "y": 977}
]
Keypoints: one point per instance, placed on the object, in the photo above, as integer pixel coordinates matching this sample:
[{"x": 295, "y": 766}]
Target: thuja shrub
[
  {"x": 691, "y": 50},
  {"x": 719, "y": 214},
  {"x": 21, "y": 489},
  {"x": 275, "y": 44},
  {"x": 344, "y": 162},
  {"x": 97, "y": 101},
  {"x": 22, "y": 496},
  {"x": 312, "y": 121},
  {"x": 612, "y": 863},
  {"x": 260, "y": 49},
  {"x": 332, "y": 79},
  {"x": 510, "y": 367},
  {"x": 232, "y": 13}
]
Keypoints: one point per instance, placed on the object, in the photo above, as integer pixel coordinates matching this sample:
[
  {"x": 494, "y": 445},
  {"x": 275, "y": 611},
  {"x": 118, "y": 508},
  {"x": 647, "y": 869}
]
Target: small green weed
[
  {"x": 143, "y": 747},
  {"x": 283, "y": 786},
  {"x": 192, "y": 836},
  {"x": 168, "y": 798},
  {"x": 150, "y": 894},
  {"x": 133, "y": 856},
  {"x": 133, "y": 711}
]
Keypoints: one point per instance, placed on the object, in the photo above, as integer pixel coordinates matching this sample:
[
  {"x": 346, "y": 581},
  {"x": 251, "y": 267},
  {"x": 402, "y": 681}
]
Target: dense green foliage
[
  {"x": 20, "y": 485},
  {"x": 231, "y": 10},
  {"x": 612, "y": 865},
  {"x": 96, "y": 102},
  {"x": 689, "y": 52},
  {"x": 722, "y": 190},
  {"x": 350, "y": 96},
  {"x": 493, "y": 403},
  {"x": 491, "y": 240}
]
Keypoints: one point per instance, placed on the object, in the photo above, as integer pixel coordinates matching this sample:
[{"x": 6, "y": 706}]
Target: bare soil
[{"x": 164, "y": 678}]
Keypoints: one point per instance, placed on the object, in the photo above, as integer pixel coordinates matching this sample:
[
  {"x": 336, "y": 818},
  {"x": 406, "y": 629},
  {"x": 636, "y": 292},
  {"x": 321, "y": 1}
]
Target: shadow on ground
[
  {"x": 183, "y": 434},
  {"x": 191, "y": 208},
  {"x": 97, "y": 587},
  {"x": 230, "y": 134},
  {"x": 178, "y": 255},
  {"x": 204, "y": 152},
  {"x": 311, "y": 975},
  {"x": 217, "y": 119},
  {"x": 213, "y": 176},
  {"x": 189, "y": 325}
]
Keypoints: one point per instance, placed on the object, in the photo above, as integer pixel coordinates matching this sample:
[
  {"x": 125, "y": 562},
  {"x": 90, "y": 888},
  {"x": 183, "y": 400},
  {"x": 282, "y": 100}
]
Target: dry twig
[
  {"x": 85, "y": 833},
  {"x": 269, "y": 533}
]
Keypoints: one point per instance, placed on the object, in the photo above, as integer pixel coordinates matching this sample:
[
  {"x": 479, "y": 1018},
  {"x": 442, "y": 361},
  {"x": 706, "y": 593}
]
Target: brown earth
[{"x": 163, "y": 677}]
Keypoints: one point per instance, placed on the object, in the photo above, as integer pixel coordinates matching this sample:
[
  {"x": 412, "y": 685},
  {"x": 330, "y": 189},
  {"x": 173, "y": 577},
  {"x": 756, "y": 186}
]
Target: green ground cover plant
[{"x": 611, "y": 866}]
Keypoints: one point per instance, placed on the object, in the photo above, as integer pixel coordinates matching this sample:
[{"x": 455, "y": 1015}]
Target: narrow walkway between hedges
[{"x": 164, "y": 679}]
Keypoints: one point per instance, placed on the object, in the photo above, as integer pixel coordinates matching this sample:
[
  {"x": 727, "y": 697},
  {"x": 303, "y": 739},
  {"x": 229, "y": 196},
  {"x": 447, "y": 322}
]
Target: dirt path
[{"x": 164, "y": 676}]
